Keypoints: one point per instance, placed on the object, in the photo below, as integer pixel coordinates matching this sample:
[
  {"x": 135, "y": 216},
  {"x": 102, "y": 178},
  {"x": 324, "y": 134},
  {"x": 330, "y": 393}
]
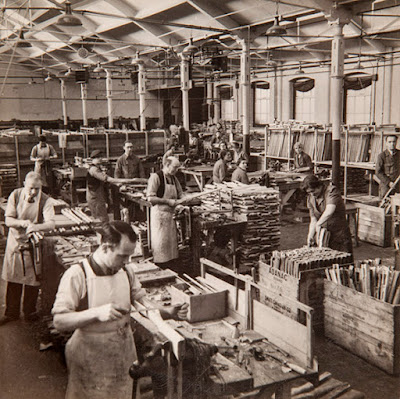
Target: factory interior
[{"x": 199, "y": 199}]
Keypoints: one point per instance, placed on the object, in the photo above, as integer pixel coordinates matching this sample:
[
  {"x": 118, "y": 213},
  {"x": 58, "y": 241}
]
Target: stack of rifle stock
[{"x": 380, "y": 282}]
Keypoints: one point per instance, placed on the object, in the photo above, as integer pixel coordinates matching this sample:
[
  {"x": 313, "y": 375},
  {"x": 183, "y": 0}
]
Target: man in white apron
[
  {"x": 94, "y": 298},
  {"x": 28, "y": 210},
  {"x": 42, "y": 153},
  {"x": 163, "y": 192}
]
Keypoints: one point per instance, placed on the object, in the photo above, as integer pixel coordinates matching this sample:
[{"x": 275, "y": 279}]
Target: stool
[{"x": 352, "y": 214}]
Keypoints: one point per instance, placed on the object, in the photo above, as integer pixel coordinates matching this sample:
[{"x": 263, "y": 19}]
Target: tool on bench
[{"x": 289, "y": 365}]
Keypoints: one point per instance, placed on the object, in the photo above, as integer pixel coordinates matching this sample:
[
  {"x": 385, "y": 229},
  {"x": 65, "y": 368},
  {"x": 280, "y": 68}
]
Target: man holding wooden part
[
  {"x": 388, "y": 167},
  {"x": 94, "y": 300},
  {"x": 28, "y": 210},
  {"x": 328, "y": 215}
]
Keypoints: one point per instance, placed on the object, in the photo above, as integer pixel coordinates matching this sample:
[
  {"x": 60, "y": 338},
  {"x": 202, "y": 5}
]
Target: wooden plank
[
  {"x": 201, "y": 307},
  {"x": 350, "y": 297},
  {"x": 230, "y": 381},
  {"x": 220, "y": 285},
  {"x": 282, "y": 331},
  {"x": 371, "y": 324},
  {"x": 356, "y": 343}
]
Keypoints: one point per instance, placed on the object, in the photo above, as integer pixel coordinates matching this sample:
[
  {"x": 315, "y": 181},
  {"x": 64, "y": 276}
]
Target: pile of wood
[
  {"x": 327, "y": 387},
  {"x": 259, "y": 207},
  {"x": 295, "y": 261},
  {"x": 380, "y": 282},
  {"x": 8, "y": 179}
]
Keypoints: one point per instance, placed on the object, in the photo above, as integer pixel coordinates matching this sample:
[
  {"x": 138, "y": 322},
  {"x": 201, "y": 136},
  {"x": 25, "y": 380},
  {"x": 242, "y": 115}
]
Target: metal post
[
  {"x": 210, "y": 98},
  {"x": 387, "y": 93},
  {"x": 142, "y": 94},
  {"x": 64, "y": 102},
  {"x": 186, "y": 85},
  {"x": 245, "y": 86},
  {"x": 337, "y": 71},
  {"x": 84, "y": 99},
  {"x": 109, "y": 98}
]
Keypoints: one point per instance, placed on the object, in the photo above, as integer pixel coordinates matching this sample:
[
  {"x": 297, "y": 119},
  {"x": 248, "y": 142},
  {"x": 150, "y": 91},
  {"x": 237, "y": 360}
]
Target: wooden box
[
  {"x": 308, "y": 289},
  {"x": 201, "y": 307},
  {"x": 364, "y": 325},
  {"x": 374, "y": 226}
]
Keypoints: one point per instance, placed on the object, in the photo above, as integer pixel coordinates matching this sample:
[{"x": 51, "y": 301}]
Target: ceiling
[{"x": 113, "y": 32}]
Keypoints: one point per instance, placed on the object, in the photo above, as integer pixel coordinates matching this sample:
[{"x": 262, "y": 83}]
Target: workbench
[
  {"x": 284, "y": 346},
  {"x": 202, "y": 174}
]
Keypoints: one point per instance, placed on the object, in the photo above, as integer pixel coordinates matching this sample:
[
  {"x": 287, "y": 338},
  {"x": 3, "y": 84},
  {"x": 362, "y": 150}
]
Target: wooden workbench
[{"x": 202, "y": 174}]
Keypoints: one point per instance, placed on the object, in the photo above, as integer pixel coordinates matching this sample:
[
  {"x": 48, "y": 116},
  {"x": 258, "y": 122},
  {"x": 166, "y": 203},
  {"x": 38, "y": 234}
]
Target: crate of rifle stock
[
  {"x": 362, "y": 312},
  {"x": 298, "y": 274}
]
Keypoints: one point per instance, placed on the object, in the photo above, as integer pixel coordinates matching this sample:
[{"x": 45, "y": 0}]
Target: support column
[
  {"x": 387, "y": 92},
  {"x": 186, "y": 85},
  {"x": 217, "y": 104},
  {"x": 142, "y": 94},
  {"x": 64, "y": 102},
  {"x": 109, "y": 98},
  {"x": 84, "y": 100},
  {"x": 245, "y": 89},
  {"x": 337, "y": 71},
  {"x": 210, "y": 98}
]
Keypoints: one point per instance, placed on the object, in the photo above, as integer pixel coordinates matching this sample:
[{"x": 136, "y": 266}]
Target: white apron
[
  {"x": 17, "y": 265},
  {"x": 99, "y": 355},
  {"x": 44, "y": 153},
  {"x": 164, "y": 234}
]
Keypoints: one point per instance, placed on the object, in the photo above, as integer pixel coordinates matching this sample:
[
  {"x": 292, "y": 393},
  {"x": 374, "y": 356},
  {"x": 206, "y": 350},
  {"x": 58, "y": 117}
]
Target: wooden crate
[
  {"x": 201, "y": 307},
  {"x": 308, "y": 289},
  {"x": 364, "y": 325},
  {"x": 374, "y": 226}
]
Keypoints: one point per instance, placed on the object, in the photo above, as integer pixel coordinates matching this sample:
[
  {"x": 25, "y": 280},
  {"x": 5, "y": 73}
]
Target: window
[
  {"x": 228, "y": 104},
  {"x": 357, "y": 101},
  {"x": 303, "y": 99},
  {"x": 358, "y": 105},
  {"x": 261, "y": 103}
]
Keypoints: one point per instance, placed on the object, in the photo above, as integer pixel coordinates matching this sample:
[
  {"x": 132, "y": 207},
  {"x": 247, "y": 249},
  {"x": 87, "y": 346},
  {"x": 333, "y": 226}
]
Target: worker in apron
[
  {"x": 163, "y": 192},
  {"x": 328, "y": 211},
  {"x": 28, "y": 210},
  {"x": 41, "y": 154},
  {"x": 94, "y": 299}
]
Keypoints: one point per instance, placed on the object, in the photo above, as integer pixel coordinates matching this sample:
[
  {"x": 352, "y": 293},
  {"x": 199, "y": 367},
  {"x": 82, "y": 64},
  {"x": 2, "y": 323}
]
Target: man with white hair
[
  {"x": 28, "y": 210},
  {"x": 164, "y": 192}
]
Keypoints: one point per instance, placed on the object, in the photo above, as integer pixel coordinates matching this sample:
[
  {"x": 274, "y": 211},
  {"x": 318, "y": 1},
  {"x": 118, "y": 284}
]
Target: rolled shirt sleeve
[
  {"x": 99, "y": 175},
  {"x": 152, "y": 185}
]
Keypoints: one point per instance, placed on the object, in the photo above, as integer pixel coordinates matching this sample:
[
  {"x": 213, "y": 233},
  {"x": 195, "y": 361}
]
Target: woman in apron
[{"x": 163, "y": 191}]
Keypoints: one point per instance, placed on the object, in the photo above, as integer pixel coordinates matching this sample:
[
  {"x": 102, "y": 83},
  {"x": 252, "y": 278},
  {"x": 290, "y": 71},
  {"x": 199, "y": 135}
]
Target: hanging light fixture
[
  {"x": 21, "y": 42},
  {"x": 190, "y": 50},
  {"x": 276, "y": 29},
  {"x": 68, "y": 73},
  {"x": 48, "y": 77},
  {"x": 68, "y": 19},
  {"x": 299, "y": 71},
  {"x": 98, "y": 68}
]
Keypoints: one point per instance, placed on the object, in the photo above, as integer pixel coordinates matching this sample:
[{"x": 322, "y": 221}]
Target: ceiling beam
[{"x": 218, "y": 15}]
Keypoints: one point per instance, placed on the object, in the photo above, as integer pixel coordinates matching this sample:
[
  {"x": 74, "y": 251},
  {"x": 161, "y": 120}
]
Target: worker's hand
[
  {"x": 32, "y": 227},
  {"x": 172, "y": 202},
  {"x": 179, "y": 311},
  {"x": 24, "y": 223},
  {"x": 391, "y": 184},
  {"x": 111, "y": 312}
]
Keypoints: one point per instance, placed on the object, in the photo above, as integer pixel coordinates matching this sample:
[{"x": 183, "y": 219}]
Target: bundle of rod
[
  {"x": 295, "y": 261},
  {"x": 381, "y": 282},
  {"x": 76, "y": 215},
  {"x": 259, "y": 207},
  {"x": 193, "y": 286},
  {"x": 71, "y": 230}
]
